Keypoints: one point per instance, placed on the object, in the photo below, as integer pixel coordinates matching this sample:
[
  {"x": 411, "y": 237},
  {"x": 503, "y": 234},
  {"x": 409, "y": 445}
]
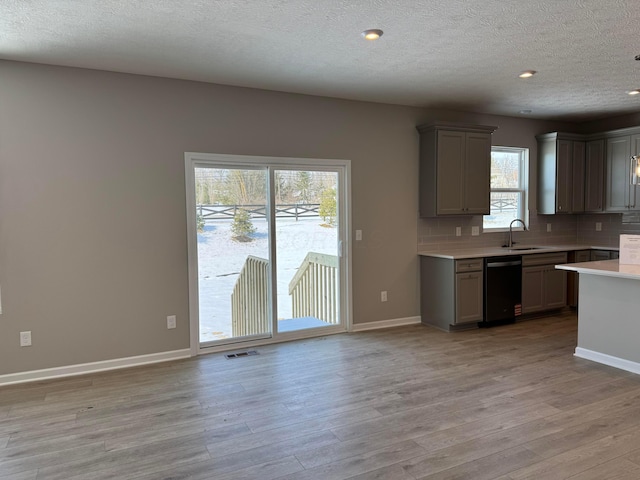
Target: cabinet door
[
  {"x": 469, "y": 297},
  {"x": 578, "y": 256},
  {"x": 563, "y": 177},
  {"x": 618, "y": 158},
  {"x": 594, "y": 176},
  {"x": 477, "y": 172},
  {"x": 583, "y": 256},
  {"x": 532, "y": 291},
  {"x": 555, "y": 288},
  {"x": 600, "y": 255},
  {"x": 450, "y": 176},
  {"x": 577, "y": 177}
]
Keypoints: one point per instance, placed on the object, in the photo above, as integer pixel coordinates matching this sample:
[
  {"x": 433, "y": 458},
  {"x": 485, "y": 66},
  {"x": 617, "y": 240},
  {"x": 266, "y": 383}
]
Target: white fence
[
  {"x": 250, "y": 299},
  {"x": 314, "y": 288}
]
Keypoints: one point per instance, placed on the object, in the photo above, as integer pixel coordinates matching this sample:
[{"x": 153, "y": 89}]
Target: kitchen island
[{"x": 609, "y": 313}]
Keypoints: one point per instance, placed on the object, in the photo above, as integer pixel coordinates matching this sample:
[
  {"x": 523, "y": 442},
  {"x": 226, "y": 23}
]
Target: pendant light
[{"x": 635, "y": 170}]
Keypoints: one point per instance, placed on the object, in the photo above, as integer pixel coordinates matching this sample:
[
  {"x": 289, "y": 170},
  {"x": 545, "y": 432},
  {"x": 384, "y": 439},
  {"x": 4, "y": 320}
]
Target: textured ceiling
[{"x": 459, "y": 54}]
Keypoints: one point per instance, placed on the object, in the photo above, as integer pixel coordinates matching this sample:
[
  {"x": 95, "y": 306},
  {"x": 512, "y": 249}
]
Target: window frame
[{"x": 522, "y": 190}]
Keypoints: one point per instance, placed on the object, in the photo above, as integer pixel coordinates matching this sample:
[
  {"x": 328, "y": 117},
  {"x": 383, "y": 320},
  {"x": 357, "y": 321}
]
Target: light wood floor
[{"x": 506, "y": 403}]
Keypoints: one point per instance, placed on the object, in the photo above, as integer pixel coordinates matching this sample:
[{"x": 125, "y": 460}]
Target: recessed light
[
  {"x": 634, "y": 92},
  {"x": 527, "y": 74},
  {"x": 372, "y": 34}
]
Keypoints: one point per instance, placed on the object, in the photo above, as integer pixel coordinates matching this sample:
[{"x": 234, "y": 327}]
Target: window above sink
[{"x": 509, "y": 184}]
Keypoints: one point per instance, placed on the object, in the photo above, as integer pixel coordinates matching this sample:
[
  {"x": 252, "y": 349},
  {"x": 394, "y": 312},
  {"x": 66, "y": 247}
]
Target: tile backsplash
[
  {"x": 612, "y": 228},
  {"x": 435, "y": 234}
]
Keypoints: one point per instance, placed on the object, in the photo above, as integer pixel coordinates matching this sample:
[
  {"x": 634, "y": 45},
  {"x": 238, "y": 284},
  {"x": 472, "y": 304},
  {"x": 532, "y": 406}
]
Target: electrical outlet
[
  {"x": 598, "y": 226},
  {"x": 475, "y": 231},
  {"x": 548, "y": 227},
  {"x": 458, "y": 231},
  {"x": 171, "y": 321},
  {"x": 383, "y": 296},
  {"x": 25, "y": 339},
  {"x": 358, "y": 235}
]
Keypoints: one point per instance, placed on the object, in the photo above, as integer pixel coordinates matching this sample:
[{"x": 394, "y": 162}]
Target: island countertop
[
  {"x": 606, "y": 268},
  {"x": 478, "y": 252}
]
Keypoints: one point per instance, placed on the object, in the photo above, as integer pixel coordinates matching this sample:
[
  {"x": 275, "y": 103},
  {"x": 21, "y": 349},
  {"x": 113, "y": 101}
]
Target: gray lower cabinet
[
  {"x": 603, "y": 254},
  {"x": 451, "y": 292},
  {"x": 573, "y": 279},
  {"x": 577, "y": 256},
  {"x": 543, "y": 287},
  {"x": 469, "y": 297}
]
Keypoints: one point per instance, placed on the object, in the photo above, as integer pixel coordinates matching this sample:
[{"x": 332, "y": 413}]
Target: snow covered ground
[{"x": 220, "y": 260}]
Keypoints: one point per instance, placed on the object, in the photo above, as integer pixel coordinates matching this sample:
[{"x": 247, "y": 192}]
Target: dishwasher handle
[{"x": 512, "y": 263}]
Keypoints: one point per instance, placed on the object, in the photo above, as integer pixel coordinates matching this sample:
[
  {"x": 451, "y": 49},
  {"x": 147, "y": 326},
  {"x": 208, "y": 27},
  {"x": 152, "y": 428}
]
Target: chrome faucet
[{"x": 511, "y": 242}]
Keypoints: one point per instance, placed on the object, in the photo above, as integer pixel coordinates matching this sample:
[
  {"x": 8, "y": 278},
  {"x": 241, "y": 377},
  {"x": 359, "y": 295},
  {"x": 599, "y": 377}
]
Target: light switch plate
[
  {"x": 598, "y": 226},
  {"x": 358, "y": 235},
  {"x": 458, "y": 231},
  {"x": 171, "y": 321},
  {"x": 475, "y": 231}
]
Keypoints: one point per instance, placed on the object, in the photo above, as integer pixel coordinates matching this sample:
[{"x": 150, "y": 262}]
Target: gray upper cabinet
[
  {"x": 455, "y": 169},
  {"x": 594, "y": 176},
  {"x": 578, "y": 165},
  {"x": 561, "y": 173},
  {"x": 621, "y": 196}
]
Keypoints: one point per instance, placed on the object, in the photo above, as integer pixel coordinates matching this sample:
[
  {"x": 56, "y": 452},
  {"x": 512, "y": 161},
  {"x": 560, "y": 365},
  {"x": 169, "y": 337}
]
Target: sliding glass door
[
  {"x": 267, "y": 256},
  {"x": 233, "y": 253},
  {"x": 307, "y": 249}
]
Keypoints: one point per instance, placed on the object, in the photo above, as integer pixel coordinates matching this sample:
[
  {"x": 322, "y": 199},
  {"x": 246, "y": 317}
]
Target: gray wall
[{"x": 93, "y": 252}]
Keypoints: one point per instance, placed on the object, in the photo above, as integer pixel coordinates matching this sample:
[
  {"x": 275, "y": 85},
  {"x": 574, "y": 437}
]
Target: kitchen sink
[{"x": 520, "y": 249}]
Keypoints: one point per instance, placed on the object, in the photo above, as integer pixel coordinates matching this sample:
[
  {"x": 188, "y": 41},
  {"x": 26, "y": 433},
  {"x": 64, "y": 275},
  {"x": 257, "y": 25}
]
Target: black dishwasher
[{"x": 502, "y": 290}]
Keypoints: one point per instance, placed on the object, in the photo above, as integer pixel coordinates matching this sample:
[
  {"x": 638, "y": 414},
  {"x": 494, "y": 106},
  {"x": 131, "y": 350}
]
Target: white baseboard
[
  {"x": 84, "y": 368},
  {"x": 394, "y": 322},
  {"x": 621, "y": 363}
]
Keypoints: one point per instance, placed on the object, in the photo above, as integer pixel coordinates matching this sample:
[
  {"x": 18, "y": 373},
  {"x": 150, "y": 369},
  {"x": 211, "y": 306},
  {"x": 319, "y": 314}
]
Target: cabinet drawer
[
  {"x": 603, "y": 254},
  {"x": 581, "y": 256},
  {"x": 469, "y": 265},
  {"x": 544, "y": 259}
]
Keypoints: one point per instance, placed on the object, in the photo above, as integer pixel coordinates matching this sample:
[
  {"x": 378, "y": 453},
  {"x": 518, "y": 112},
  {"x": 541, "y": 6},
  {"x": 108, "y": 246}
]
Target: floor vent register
[{"x": 247, "y": 353}]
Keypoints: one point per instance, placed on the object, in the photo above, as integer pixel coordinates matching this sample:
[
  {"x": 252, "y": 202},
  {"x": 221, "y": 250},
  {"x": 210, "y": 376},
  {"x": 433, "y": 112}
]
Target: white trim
[
  {"x": 394, "y": 322},
  {"x": 621, "y": 363},
  {"x": 94, "y": 367},
  {"x": 206, "y": 159},
  {"x": 523, "y": 189},
  {"x": 192, "y": 256},
  {"x": 281, "y": 338}
]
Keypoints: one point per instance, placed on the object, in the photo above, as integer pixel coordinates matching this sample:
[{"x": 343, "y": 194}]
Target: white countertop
[
  {"x": 479, "y": 252},
  {"x": 607, "y": 268}
]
